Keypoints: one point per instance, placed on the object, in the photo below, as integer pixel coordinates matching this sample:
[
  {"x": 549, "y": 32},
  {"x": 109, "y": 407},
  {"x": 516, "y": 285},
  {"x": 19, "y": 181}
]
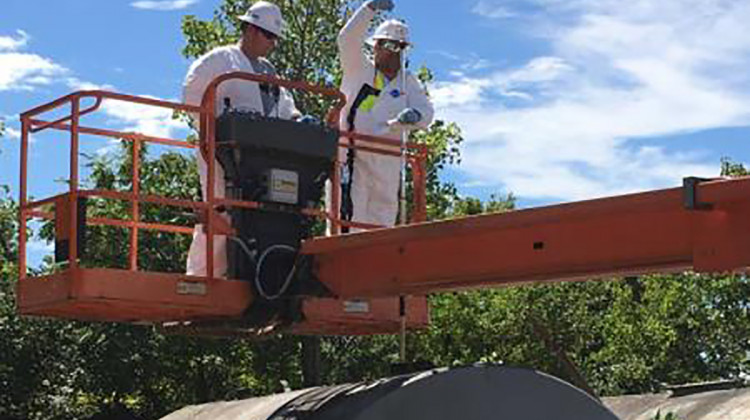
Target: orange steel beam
[
  {"x": 36, "y": 127},
  {"x": 152, "y": 199},
  {"x": 626, "y": 235},
  {"x": 119, "y": 135},
  {"x": 103, "y": 221},
  {"x": 381, "y": 141},
  {"x": 99, "y": 95},
  {"x": 126, "y": 224}
]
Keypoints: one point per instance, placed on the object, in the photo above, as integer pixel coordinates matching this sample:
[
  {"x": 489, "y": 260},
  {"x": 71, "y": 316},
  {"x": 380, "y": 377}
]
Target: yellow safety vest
[{"x": 368, "y": 104}]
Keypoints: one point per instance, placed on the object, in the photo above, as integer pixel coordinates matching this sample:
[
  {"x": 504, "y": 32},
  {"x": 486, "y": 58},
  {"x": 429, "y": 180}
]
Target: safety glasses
[{"x": 392, "y": 45}]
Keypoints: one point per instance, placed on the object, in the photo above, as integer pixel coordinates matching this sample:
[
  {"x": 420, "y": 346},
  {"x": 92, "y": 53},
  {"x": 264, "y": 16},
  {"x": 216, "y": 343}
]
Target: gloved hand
[
  {"x": 409, "y": 116},
  {"x": 386, "y": 5},
  {"x": 309, "y": 119}
]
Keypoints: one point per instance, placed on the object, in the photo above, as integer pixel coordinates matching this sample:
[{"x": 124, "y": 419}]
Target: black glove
[
  {"x": 309, "y": 119},
  {"x": 409, "y": 116},
  {"x": 385, "y": 5}
]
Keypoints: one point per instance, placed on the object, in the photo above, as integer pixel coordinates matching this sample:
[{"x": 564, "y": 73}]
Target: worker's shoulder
[{"x": 217, "y": 55}]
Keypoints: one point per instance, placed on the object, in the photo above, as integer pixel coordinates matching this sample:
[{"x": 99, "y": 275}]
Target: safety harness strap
[{"x": 365, "y": 102}]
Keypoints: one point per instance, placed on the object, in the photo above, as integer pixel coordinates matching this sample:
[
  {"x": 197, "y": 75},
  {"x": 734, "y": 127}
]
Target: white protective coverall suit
[
  {"x": 376, "y": 177},
  {"x": 243, "y": 95}
]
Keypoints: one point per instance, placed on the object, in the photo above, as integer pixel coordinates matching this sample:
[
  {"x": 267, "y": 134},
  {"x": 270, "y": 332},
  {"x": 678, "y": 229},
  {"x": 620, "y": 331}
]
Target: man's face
[
  {"x": 387, "y": 54},
  {"x": 262, "y": 40}
]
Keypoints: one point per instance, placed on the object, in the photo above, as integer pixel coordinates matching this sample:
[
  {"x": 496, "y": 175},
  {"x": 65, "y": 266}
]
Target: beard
[{"x": 389, "y": 63}]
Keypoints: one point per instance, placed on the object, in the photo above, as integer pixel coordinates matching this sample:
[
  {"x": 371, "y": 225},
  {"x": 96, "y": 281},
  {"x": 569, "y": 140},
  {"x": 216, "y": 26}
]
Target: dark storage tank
[{"x": 472, "y": 393}]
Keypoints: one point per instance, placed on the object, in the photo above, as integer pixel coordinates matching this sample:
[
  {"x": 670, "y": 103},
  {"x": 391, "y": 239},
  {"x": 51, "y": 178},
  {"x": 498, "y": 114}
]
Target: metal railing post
[
  {"x": 209, "y": 109},
  {"x": 73, "y": 182},
  {"x": 135, "y": 204},
  {"x": 22, "y": 199}
]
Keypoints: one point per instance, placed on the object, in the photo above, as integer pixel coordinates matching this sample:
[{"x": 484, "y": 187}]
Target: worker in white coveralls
[
  {"x": 378, "y": 103},
  {"x": 261, "y": 29}
]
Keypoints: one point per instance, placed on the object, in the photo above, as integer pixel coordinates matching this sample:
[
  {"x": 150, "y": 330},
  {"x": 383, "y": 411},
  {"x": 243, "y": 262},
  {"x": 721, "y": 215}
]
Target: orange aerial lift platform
[{"x": 370, "y": 282}]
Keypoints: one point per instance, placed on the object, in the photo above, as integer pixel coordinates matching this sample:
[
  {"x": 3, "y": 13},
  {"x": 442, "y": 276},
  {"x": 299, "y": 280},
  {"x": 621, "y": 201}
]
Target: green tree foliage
[
  {"x": 34, "y": 375},
  {"x": 625, "y": 335},
  {"x": 64, "y": 370},
  {"x": 8, "y": 228},
  {"x": 668, "y": 416},
  {"x": 731, "y": 169}
]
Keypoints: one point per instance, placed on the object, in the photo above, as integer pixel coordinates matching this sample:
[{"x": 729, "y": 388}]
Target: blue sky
[{"x": 558, "y": 100}]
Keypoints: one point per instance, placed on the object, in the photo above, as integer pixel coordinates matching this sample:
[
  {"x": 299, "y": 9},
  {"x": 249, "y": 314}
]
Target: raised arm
[{"x": 353, "y": 35}]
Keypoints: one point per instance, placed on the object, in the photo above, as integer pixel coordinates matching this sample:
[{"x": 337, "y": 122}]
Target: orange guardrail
[{"x": 32, "y": 122}]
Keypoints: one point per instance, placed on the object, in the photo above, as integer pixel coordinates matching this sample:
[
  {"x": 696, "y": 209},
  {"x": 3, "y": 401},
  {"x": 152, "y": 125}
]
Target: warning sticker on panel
[
  {"x": 191, "y": 288},
  {"x": 356, "y": 306}
]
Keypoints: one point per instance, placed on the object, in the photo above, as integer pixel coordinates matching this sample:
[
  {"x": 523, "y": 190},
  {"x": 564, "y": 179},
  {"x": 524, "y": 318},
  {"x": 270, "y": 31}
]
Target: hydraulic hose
[{"x": 259, "y": 267}]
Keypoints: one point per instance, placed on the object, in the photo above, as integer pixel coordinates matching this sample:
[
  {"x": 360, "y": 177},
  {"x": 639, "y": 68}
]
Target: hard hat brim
[
  {"x": 373, "y": 39},
  {"x": 249, "y": 20}
]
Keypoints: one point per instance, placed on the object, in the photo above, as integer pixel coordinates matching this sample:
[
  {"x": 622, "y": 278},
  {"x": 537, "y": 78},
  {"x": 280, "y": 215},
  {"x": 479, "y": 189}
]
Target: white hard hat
[
  {"x": 393, "y": 29},
  {"x": 265, "y": 15}
]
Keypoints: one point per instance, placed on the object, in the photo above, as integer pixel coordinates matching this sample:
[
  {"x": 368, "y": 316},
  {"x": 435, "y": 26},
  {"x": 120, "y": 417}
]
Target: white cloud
[
  {"x": 9, "y": 43},
  {"x": 163, "y": 5},
  {"x": 619, "y": 72},
  {"x": 445, "y": 54},
  {"x": 136, "y": 118},
  {"x": 464, "y": 92},
  {"x": 492, "y": 11},
  {"x": 143, "y": 119},
  {"x": 22, "y": 71},
  {"x": 25, "y": 71},
  {"x": 77, "y": 84},
  {"x": 9, "y": 131},
  {"x": 540, "y": 69},
  {"x": 468, "y": 63},
  {"x": 472, "y": 91},
  {"x": 12, "y": 133},
  {"x": 475, "y": 63},
  {"x": 112, "y": 147}
]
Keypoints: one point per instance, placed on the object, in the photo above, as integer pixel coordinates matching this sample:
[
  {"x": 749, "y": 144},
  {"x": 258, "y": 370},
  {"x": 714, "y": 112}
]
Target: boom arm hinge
[{"x": 690, "y": 194}]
